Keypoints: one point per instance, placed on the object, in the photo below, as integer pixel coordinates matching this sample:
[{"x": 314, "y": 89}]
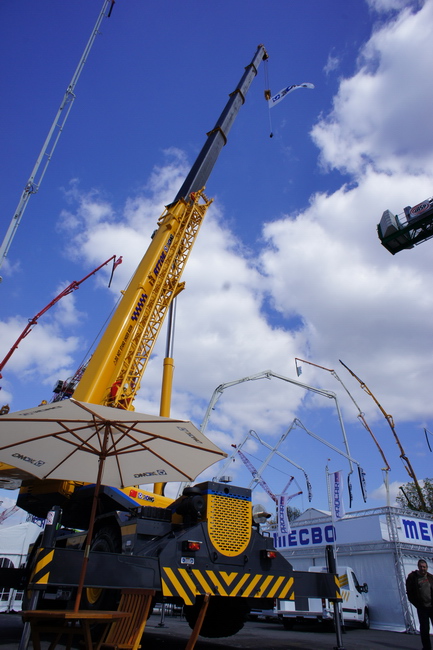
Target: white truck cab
[{"x": 353, "y": 607}]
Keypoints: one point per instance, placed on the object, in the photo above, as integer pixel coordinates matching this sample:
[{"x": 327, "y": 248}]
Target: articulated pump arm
[
  {"x": 115, "y": 370},
  {"x": 406, "y": 462}
]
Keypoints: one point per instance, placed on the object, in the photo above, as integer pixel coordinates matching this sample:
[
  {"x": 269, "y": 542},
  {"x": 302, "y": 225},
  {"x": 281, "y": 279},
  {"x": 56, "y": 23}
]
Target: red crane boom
[{"x": 69, "y": 289}]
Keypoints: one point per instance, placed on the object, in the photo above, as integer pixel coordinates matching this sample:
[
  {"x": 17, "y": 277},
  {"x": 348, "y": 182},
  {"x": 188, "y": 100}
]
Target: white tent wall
[
  {"x": 14, "y": 545},
  {"x": 374, "y": 548},
  {"x": 377, "y": 569}
]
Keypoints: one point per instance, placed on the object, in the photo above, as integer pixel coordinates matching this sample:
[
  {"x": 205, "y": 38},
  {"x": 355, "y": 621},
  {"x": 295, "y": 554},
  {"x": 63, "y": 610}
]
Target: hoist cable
[{"x": 267, "y": 96}]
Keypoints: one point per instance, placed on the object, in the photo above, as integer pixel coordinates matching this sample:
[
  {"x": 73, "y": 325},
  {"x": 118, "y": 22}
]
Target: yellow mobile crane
[{"x": 205, "y": 543}]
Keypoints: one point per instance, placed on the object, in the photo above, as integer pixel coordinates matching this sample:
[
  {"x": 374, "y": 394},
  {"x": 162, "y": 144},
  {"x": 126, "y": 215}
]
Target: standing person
[{"x": 419, "y": 586}]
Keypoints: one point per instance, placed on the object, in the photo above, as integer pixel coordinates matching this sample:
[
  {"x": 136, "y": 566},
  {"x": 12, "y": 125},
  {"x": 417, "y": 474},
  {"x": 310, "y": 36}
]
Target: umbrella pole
[{"x": 91, "y": 523}]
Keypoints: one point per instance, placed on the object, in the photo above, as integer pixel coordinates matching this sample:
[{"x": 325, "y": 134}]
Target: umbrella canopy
[
  {"x": 72, "y": 440},
  {"x": 66, "y": 440}
]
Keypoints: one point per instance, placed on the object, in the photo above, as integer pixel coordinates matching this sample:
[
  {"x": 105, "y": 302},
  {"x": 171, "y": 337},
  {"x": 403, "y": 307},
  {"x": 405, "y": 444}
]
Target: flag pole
[
  {"x": 332, "y": 509},
  {"x": 331, "y": 559}
]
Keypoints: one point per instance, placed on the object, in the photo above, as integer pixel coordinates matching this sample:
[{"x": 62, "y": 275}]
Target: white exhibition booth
[{"x": 382, "y": 546}]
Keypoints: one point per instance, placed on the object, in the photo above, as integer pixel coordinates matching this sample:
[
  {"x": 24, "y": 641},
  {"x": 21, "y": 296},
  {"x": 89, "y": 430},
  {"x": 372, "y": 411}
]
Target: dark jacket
[{"x": 412, "y": 588}]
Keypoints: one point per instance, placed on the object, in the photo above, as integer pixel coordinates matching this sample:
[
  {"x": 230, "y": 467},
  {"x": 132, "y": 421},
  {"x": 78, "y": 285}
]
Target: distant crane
[
  {"x": 361, "y": 417},
  {"x": 274, "y": 450},
  {"x": 8, "y": 512},
  {"x": 257, "y": 478},
  {"x": 42, "y": 162},
  {"x": 69, "y": 289},
  {"x": 269, "y": 374}
]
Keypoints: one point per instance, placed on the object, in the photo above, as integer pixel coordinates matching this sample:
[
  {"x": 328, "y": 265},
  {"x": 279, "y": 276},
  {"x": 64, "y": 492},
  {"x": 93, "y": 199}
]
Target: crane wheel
[
  {"x": 224, "y": 616},
  {"x": 106, "y": 540}
]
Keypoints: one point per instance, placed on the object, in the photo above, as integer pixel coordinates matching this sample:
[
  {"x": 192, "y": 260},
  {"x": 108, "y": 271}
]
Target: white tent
[{"x": 14, "y": 545}]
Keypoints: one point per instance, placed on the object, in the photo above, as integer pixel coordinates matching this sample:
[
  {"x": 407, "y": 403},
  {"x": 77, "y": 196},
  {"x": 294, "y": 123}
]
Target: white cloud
[
  {"x": 332, "y": 64},
  {"x": 44, "y": 355},
  {"x": 387, "y": 494},
  {"x": 385, "y": 6},
  {"x": 381, "y": 115}
]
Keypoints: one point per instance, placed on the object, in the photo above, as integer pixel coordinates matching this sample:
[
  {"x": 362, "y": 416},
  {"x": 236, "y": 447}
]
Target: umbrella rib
[
  {"x": 137, "y": 444},
  {"x": 119, "y": 469},
  {"x": 58, "y": 435},
  {"x": 164, "y": 460},
  {"x": 143, "y": 446},
  {"x": 83, "y": 443},
  {"x": 78, "y": 447}
]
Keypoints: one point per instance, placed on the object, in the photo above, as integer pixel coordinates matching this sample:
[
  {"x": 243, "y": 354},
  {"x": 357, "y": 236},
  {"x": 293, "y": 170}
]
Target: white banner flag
[
  {"x": 273, "y": 101},
  {"x": 283, "y": 519},
  {"x": 337, "y": 495}
]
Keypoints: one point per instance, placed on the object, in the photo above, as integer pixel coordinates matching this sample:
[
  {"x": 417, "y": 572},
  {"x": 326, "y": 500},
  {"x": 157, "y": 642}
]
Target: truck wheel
[
  {"x": 366, "y": 621},
  {"x": 224, "y": 616},
  {"x": 328, "y": 625},
  {"x": 288, "y": 623},
  {"x": 106, "y": 540}
]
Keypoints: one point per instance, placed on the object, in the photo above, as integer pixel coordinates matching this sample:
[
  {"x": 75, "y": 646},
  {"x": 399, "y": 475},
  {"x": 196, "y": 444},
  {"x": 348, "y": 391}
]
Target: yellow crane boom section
[{"x": 114, "y": 372}]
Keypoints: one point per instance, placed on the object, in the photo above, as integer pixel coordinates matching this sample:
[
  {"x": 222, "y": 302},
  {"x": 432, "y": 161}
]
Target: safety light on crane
[
  {"x": 190, "y": 545},
  {"x": 268, "y": 554},
  {"x": 260, "y": 516}
]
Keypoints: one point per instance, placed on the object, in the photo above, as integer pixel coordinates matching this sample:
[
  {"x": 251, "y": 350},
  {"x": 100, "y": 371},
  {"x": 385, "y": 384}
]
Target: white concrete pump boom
[{"x": 34, "y": 182}]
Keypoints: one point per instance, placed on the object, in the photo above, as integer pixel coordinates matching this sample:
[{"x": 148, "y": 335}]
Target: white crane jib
[{"x": 43, "y": 160}]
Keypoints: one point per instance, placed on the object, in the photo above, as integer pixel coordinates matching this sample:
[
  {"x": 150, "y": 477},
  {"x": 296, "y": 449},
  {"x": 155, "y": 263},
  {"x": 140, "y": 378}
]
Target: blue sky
[{"x": 287, "y": 264}]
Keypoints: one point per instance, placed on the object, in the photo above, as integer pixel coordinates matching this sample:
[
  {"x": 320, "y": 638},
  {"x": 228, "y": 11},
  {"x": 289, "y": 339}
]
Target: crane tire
[
  {"x": 288, "y": 623},
  {"x": 224, "y": 616},
  {"x": 106, "y": 540}
]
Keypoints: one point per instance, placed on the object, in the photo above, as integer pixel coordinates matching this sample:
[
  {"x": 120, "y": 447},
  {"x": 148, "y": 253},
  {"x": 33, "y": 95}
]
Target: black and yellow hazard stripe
[
  {"x": 343, "y": 580},
  {"x": 190, "y": 583},
  {"x": 41, "y": 571},
  {"x": 337, "y": 587}
]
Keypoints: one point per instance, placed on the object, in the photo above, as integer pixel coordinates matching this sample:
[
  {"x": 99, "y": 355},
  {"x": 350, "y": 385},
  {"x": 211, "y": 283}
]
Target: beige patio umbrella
[{"x": 73, "y": 440}]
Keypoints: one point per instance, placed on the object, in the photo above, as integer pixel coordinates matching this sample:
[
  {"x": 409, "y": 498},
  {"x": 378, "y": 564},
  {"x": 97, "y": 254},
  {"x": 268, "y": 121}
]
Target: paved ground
[{"x": 260, "y": 635}]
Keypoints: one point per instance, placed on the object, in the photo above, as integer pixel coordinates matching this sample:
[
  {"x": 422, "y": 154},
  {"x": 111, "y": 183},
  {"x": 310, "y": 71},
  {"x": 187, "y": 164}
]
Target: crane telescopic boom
[{"x": 114, "y": 372}]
